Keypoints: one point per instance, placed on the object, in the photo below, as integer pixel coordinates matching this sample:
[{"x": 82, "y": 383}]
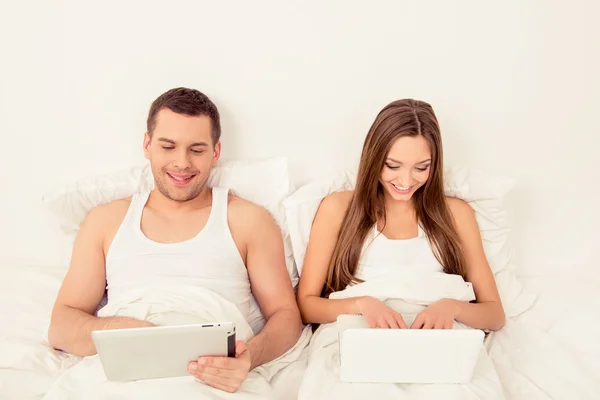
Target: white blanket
[
  {"x": 520, "y": 361},
  {"x": 535, "y": 365},
  {"x": 86, "y": 379},
  {"x": 408, "y": 295}
]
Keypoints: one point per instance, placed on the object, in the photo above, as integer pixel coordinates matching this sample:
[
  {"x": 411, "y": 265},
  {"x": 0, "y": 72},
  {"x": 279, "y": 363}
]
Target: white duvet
[
  {"x": 86, "y": 379},
  {"x": 521, "y": 362},
  {"x": 550, "y": 352}
]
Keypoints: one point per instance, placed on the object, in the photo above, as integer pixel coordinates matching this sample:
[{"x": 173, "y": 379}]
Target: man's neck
[{"x": 158, "y": 201}]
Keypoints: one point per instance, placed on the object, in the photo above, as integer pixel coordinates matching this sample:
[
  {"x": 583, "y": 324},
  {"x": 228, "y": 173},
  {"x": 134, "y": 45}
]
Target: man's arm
[
  {"x": 72, "y": 320},
  {"x": 272, "y": 288}
]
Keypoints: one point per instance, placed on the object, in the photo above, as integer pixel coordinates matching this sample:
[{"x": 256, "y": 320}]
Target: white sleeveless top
[
  {"x": 382, "y": 257},
  {"x": 209, "y": 260}
]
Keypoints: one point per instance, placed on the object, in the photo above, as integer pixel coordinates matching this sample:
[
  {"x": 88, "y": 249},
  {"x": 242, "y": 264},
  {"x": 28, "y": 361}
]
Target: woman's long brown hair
[{"x": 400, "y": 118}]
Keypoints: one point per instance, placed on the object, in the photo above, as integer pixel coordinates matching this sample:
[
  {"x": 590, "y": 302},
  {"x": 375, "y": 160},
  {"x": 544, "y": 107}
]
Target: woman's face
[{"x": 406, "y": 167}]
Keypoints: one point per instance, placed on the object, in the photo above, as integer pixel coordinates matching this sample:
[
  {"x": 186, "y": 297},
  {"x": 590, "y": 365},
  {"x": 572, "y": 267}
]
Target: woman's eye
[
  {"x": 423, "y": 169},
  {"x": 390, "y": 167}
]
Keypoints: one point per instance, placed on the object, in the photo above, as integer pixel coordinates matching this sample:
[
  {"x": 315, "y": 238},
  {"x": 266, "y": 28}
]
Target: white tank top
[
  {"x": 382, "y": 257},
  {"x": 209, "y": 260}
]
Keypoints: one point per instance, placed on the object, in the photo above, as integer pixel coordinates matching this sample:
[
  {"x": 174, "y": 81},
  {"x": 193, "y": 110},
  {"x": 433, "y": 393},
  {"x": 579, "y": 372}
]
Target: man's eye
[{"x": 167, "y": 148}]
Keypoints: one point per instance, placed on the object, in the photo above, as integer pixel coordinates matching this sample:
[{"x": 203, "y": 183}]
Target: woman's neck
[{"x": 399, "y": 206}]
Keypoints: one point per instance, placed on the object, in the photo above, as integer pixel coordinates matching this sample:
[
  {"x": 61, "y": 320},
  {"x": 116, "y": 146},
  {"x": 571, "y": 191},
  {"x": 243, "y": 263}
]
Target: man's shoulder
[
  {"x": 108, "y": 214},
  {"x": 114, "y": 207},
  {"x": 245, "y": 211},
  {"x": 251, "y": 223},
  {"x": 248, "y": 220}
]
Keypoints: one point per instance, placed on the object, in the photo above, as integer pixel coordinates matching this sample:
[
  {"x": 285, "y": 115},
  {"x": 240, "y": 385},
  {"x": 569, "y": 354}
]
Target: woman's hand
[
  {"x": 438, "y": 315},
  {"x": 378, "y": 314}
]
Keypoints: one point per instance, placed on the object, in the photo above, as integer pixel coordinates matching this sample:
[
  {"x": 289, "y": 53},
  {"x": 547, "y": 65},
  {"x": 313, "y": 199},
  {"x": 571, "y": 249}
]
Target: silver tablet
[{"x": 161, "y": 351}]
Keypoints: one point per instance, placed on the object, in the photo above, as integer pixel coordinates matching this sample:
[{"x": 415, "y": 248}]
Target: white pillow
[
  {"x": 486, "y": 193},
  {"x": 264, "y": 182}
]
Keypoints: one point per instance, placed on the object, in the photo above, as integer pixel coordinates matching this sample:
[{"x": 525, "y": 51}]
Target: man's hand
[{"x": 225, "y": 373}]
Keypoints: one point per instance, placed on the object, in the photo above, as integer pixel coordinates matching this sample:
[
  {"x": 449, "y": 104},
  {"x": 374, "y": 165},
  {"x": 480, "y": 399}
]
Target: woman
[{"x": 397, "y": 219}]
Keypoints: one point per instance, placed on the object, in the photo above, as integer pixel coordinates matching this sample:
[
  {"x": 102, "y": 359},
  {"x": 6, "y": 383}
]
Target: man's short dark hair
[{"x": 190, "y": 102}]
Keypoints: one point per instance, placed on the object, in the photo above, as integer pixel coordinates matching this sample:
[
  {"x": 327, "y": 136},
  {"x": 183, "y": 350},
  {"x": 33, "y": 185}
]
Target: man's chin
[
  {"x": 179, "y": 194},
  {"x": 181, "y": 199}
]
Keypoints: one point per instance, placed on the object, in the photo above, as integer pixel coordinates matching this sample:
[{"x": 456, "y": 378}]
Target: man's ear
[
  {"x": 217, "y": 154},
  {"x": 146, "y": 145}
]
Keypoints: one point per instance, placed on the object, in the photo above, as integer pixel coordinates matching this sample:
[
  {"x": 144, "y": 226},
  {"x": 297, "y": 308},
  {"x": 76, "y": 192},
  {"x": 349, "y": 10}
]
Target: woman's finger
[
  {"x": 400, "y": 321},
  {"x": 381, "y": 323},
  {"x": 372, "y": 322},
  {"x": 391, "y": 322},
  {"x": 418, "y": 322},
  {"x": 428, "y": 324}
]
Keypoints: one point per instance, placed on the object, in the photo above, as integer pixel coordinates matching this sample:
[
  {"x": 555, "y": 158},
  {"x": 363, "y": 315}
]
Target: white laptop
[
  {"x": 406, "y": 355},
  {"x": 162, "y": 351}
]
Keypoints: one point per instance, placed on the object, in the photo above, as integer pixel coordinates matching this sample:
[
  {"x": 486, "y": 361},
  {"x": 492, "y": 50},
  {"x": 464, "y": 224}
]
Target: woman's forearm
[
  {"x": 318, "y": 310},
  {"x": 487, "y": 316},
  {"x": 314, "y": 309}
]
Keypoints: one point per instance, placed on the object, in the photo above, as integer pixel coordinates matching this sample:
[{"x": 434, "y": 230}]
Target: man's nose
[{"x": 182, "y": 160}]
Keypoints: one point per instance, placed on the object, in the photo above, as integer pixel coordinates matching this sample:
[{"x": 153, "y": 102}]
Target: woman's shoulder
[
  {"x": 335, "y": 204},
  {"x": 340, "y": 198},
  {"x": 458, "y": 207},
  {"x": 462, "y": 213}
]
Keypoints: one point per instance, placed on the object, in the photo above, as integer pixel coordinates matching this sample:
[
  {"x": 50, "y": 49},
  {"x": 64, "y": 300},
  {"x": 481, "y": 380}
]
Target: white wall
[{"x": 515, "y": 85}]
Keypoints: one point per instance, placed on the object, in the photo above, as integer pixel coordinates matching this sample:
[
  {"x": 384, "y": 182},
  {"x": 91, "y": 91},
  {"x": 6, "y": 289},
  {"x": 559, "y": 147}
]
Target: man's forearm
[
  {"x": 71, "y": 329},
  {"x": 279, "y": 334}
]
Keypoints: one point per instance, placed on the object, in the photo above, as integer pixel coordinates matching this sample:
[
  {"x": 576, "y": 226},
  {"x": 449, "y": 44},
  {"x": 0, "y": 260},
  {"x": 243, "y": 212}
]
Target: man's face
[{"x": 181, "y": 154}]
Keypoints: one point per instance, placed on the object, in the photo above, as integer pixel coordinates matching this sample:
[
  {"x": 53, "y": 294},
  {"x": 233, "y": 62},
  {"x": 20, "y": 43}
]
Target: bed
[
  {"x": 28, "y": 365},
  {"x": 561, "y": 317}
]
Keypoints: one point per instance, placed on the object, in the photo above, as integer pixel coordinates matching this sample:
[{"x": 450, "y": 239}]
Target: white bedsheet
[
  {"x": 407, "y": 294},
  {"x": 565, "y": 312},
  {"x": 523, "y": 360},
  {"x": 173, "y": 306},
  {"x": 29, "y": 366}
]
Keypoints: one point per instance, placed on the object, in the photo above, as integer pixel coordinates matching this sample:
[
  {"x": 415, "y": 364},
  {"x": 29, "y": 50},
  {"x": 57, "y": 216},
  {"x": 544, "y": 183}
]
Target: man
[{"x": 182, "y": 231}]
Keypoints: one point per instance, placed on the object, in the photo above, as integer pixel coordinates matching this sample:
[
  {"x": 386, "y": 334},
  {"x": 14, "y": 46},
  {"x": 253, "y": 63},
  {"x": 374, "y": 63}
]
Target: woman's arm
[
  {"x": 487, "y": 313},
  {"x": 322, "y": 240}
]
